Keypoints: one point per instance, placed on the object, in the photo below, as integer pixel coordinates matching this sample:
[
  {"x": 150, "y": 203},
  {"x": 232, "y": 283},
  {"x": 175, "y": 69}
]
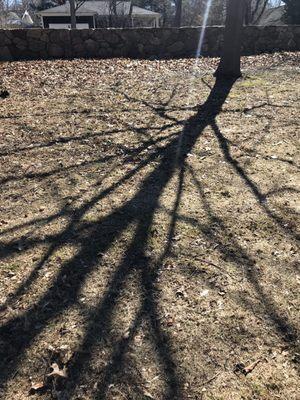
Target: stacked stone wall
[{"x": 31, "y": 44}]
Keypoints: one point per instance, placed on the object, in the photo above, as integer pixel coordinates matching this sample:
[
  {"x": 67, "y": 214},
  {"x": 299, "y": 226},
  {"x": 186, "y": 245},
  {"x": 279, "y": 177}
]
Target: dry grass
[{"x": 147, "y": 244}]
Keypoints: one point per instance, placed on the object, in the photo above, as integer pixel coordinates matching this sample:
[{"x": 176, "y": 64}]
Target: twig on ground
[{"x": 211, "y": 379}]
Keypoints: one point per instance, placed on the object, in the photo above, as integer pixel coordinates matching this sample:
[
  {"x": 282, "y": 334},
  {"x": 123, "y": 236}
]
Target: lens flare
[{"x": 192, "y": 80}]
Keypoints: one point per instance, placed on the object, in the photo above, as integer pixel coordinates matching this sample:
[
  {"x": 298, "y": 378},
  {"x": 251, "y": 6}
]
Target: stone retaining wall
[{"x": 30, "y": 44}]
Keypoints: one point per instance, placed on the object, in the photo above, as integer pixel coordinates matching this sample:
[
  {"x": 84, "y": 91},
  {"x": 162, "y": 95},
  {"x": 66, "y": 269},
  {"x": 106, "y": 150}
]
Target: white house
[{"x": 97, "y": 14}]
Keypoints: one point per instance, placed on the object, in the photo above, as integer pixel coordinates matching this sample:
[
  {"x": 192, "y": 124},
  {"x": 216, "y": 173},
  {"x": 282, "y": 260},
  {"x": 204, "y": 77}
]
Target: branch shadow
[
  {"x": 96, "y": 238},
  {"x": 140, "y": 210},
  {"x": 230, "y": 249}
]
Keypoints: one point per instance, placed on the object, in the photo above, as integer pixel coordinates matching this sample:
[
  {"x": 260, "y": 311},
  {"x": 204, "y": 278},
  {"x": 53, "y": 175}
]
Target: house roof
[
  {"x": 97, "y": 8},
  {"x": 138, "y": 11}
]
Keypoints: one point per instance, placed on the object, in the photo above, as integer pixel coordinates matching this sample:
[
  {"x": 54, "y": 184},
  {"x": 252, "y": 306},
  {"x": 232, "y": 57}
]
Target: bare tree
[
  {"x": 119, "y": 14},
  {"x": 178, "y": 13},
  {"x": 230, "y": 63},
  {"x": 73, "y": 13},
  {"x": 113, "y": 7},
  {"x": 74, "y": 6},
  {"x": 255, "y": 10},
  {"x": 292, "y": 11}
]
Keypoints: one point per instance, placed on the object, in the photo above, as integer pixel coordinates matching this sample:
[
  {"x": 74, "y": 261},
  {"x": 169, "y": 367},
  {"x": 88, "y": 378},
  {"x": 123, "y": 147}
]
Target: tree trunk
[
  {"x": 257, "y": 17},
  {"x": 130, "y": 22},
  {"x": 230, "y": 63},
  {"x": 248, "y": 12},
  {"x": 178, "y": 13},
  {"x": 73, "y": 14}
]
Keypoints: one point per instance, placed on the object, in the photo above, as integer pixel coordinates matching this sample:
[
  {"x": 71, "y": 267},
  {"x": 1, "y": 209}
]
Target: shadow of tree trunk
[{"x": 140, "y": 210}]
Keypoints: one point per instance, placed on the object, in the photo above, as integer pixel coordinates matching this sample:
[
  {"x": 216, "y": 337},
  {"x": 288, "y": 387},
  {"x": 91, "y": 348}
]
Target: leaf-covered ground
[{"x": 148, "y": 244}]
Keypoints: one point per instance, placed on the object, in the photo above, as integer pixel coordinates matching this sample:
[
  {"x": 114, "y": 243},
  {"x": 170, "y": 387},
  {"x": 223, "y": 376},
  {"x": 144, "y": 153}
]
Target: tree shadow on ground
[{"x": 94, "y": 239}]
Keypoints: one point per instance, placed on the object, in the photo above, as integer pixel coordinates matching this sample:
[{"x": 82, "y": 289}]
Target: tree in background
[
  {"x": 13, "y": 10},
  {"x": 217, "y": 12},
  {"x": 255, "y": 10},
  {"x": 73, "y": 13},
  {"x": 164, "y": 7},
  {"x": 4, "y": 5},
  {"x": 39, "y": 5},
  {"x": 230, "y": 63},
  {"x": 192, "y": 12},
  {"x": 185, "y": 12},
  {"x": 74, "y": 5},
  {"x": 119, "y": 14},
  {"x": 292, "y": 11},
  {"x": 178, "y": 13}
]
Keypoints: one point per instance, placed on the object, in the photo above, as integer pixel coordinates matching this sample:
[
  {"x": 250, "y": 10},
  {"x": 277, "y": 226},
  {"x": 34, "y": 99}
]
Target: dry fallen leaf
[
  {"x": 148, "y": 395},
  {"x": 251, "y": 367},
  {"x": 246, "y": 369},
  {"x": 58, "y": 372},
  {"x": 37, "y": 387}
]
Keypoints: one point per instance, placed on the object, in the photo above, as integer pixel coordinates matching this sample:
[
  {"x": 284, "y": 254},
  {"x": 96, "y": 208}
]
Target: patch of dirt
[{"x": 148, "y": 230}]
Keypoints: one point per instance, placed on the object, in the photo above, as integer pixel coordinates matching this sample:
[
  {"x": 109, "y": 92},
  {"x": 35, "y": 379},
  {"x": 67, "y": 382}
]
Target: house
[{"x": 97, "y": 14}]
